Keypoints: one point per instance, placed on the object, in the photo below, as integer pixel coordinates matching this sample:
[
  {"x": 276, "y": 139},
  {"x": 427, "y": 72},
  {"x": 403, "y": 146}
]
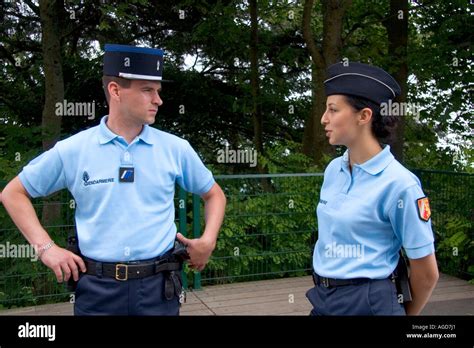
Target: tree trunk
[
  {"x": 315, "y": 143},
  {"x": 397, "y": 32},
  {"x": 51, "y": 12},
  {"x": 257, "y": 121},
  {"x": 257, "y": 118}
]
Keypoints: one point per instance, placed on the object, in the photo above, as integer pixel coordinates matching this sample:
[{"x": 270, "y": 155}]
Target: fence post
[
  {"x": 182, "y": 225},
  {"x": 197, "y": 233}
]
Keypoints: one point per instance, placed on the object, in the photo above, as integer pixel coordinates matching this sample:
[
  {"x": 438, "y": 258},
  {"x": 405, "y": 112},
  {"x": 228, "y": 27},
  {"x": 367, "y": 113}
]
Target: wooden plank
[
  {"x": 298, "y": 313},
  {"x": 192, "y": 307},
  {"x": 452, "y": 283},
  {"x": 49, "y": 309},
  {"x": 443, "y": 277},
  {"x": 286, "y": 287},
  {"x": 265, "y": 297},
  {"x": 267, "y": 308},
  {"x": 254, "y": 294},
  {"x": 202, "y": 310},
  {"x": 19, "y": 311},
  {"x": 450, "y": 289},
  {"x": 452, "y": 296},
  {"x": 191, "y": 298},
  {"x": 281, "y": 299},
  {"x": 197, "y": 313},
  {"x": 254, "y": 287},
  {"x": 259, "y": 283}
]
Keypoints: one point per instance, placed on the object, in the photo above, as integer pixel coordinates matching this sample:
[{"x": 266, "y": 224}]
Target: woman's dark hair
[{"x": 382, "y": 126}]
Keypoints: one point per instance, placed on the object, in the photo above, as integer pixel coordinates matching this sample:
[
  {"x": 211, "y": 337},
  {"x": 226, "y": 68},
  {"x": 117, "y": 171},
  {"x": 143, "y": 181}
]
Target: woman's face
[{"x": 340, "y": 121}]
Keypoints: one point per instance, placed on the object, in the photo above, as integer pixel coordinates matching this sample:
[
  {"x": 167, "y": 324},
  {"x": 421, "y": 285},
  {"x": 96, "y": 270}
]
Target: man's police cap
[
  {"x": 361, "y": 80},
  {"x": 131, "y": 62}
]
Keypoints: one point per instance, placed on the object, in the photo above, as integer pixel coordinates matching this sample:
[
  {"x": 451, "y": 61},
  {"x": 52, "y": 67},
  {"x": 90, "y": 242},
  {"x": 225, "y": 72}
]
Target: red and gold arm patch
[{"x": 424, "y": 210}]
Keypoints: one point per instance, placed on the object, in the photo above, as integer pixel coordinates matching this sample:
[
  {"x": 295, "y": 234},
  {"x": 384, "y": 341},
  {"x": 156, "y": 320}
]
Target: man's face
[{"x": 139, "y": 103}]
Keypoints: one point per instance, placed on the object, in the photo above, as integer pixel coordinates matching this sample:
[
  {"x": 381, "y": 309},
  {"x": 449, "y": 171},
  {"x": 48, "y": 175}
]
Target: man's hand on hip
[
  {"x": 63, "y": 263},
  {"x": 199, "y": 250}
]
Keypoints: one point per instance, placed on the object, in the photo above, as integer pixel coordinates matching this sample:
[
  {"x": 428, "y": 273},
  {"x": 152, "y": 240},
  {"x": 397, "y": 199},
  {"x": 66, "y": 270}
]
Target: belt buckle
[
  {"x": 325, "y": 282},
  {"x": 117, "y": 272}
]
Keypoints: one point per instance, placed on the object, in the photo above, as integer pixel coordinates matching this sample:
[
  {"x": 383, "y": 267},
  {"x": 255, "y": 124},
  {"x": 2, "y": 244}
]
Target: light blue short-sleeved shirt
[
  {"x": 120, "y": 221},
  {"x": 366, "y": 216}
]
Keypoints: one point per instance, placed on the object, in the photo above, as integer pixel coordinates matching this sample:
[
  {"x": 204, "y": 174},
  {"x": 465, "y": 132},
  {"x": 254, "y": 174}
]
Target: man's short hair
[{"x": 124, "y": 83}]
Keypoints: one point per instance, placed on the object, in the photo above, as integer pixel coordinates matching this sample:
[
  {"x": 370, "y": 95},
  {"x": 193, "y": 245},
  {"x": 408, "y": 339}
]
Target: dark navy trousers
[
  {"x": 374, "y": 297},
  {"x": 107, "y": 296}
]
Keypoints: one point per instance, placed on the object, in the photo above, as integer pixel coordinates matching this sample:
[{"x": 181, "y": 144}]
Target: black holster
[
  {"x": 173, "y": 279},
  {"x": 402, "y": 280},
  {"x": 72, "y": 246},
  {"x": 173, "y": 285}
]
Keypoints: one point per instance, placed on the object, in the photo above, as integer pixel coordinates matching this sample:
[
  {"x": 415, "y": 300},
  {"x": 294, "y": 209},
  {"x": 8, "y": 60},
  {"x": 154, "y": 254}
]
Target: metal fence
[
  {"x": 451, "y": 197},
  {"x": 269, "y": 231}
]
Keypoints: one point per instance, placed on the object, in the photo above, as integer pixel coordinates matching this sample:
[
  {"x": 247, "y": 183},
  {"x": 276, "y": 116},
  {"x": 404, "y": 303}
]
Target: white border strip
[
  {"x": 139, "y": 77},
  {"x": 370, "y": 77}
]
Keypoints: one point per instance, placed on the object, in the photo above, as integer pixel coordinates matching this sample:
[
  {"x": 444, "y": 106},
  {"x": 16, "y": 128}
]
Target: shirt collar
[
  {"x": 374, "y": 165},
  {"x": 145, "y": 135},
  {"x": 106, "y": 135}
]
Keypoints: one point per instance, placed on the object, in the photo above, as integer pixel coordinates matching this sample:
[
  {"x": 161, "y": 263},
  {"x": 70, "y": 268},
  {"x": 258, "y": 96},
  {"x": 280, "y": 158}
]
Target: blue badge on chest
[{"x": 126, "y": 174}]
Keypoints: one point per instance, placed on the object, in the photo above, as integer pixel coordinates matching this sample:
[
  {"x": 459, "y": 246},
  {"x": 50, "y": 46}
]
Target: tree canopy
[{"x": 246, "y": 74}]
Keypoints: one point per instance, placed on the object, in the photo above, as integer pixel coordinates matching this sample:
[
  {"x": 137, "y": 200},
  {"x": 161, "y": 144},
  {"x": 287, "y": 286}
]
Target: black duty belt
[
  {"x": 130, "y": 270},
  {"x": 331, "y": 282}
]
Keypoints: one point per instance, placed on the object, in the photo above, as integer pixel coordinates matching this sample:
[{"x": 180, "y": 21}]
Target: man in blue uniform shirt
[
  {"x": 370, "y": 206},
  {"x": 122, "y": 175}
]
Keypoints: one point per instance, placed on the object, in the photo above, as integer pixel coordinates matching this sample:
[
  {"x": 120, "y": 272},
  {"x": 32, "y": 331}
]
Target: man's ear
[
  {"x": 113, "y": 88},
  {"x": 365, "y": 116}
]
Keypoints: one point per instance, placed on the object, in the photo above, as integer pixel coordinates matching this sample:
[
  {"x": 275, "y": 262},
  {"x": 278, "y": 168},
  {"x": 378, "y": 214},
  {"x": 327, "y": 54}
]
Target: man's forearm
[
  {"x": 214, "y": 215},
  {"x": 200, "y": 249},
  {"x": 62, "y": 262},
  {"x": 23, "y": 214}
]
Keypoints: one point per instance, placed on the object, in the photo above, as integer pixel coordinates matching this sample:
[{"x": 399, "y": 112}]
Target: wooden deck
[{"x": 452, "y": 296}]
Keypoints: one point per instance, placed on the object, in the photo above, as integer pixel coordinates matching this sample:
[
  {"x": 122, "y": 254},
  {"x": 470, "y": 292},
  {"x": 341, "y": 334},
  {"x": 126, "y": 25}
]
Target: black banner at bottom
[{"x": 228, "y": 330}]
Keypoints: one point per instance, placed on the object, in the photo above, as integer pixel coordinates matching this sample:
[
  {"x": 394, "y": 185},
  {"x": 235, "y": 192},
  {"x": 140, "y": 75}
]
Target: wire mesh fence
[{"x": 268, "y": 232}]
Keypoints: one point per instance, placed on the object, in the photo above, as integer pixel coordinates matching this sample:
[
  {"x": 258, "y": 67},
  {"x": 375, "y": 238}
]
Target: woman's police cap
[
  {"x": 131, "y": 62},
  {"x": 361, "y": 80}
]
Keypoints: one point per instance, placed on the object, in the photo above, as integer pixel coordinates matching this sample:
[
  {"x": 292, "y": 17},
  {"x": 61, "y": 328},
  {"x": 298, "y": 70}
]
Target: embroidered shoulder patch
[{"x": 424, "y": 211}]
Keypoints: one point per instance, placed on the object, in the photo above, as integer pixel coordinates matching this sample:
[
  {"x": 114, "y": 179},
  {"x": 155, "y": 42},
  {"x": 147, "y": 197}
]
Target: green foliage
[
  {"x": 25, "y": 281},
  {"x": 266, "y": 234},
  {"x": 455, "y": 251},
  {"x": 440, "y": 58},
  {"x": 17, "y": 147},
  {"x": 450, "y": 194},
  {"x": 213, "y": 85},
  {"x": 270, "y": 225},
  {"x": 286, "y": 157}
]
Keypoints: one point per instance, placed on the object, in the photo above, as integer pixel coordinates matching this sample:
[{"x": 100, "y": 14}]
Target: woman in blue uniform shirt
[{"x": 370, "y": 206}]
